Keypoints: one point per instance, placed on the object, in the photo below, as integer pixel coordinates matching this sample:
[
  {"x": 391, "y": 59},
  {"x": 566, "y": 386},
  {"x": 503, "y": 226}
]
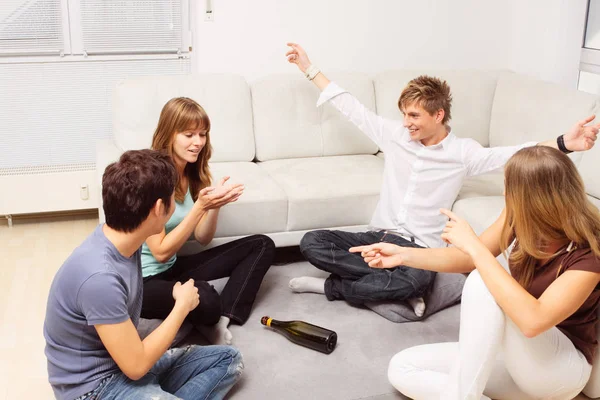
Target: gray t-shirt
[{"x": 95, "y": 285}]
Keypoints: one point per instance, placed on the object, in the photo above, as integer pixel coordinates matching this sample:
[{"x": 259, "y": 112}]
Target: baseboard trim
[{"x": 54, "y": 216}]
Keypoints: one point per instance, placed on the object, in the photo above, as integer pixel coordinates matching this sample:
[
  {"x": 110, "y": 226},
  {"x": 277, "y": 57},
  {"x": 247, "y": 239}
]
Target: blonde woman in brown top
[{"x": 527, "y": 334}]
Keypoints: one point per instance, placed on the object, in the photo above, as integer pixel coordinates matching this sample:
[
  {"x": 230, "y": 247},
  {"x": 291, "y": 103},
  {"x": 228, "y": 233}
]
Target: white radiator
[{"x": 51, "y": 116}]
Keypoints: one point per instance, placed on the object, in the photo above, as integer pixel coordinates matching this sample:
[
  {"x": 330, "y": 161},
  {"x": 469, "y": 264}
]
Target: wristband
[
  {"x": 311, "y": 72},
  {"x": 560, "y": 141}
]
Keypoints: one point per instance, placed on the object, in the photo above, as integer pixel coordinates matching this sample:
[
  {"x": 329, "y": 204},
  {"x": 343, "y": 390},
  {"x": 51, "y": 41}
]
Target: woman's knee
[
  {"x": 400, "y": 368},
  {"x": 475, "y": 288},
  {"x": 267, "y": 245},
  {"x": 209, "y": 310},
  {"x": 267, "y": 242}
]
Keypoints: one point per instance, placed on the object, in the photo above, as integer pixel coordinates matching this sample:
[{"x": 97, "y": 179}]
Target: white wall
[
  {"x": 541, "y": 38},
  {"x": 546, "y": 40},
  {"x": 248, "y": 37}
]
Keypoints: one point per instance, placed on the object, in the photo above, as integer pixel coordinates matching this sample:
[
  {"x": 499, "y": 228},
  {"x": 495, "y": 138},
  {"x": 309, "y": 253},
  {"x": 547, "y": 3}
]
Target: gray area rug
[{"x": 276, "y": 368}]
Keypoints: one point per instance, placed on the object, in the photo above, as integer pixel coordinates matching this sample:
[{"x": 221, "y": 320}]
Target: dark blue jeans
[{"x": 351, "y": 278}]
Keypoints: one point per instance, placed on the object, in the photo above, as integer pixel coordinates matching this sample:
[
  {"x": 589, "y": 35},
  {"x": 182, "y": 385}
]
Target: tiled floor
[{"x": 31, "y": 252}]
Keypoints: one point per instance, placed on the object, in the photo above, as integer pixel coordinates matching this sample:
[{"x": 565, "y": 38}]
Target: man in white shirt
[{"x": 425, "y": 165}]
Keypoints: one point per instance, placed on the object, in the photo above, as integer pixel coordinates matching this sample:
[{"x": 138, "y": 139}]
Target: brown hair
[
  {"x": 545, "y": 201},
  {"x": 132, "y": 185},
  {"x": 178, "y": 115},
  {"x": 428, "y": 92}
]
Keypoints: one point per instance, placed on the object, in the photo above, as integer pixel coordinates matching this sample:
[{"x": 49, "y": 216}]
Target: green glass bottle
[{"x": 304, "y": 334}]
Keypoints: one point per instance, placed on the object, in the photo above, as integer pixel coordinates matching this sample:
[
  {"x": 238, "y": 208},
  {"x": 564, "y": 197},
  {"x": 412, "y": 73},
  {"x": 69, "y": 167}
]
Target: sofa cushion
[
  {"x": 588, "y": 167},
  {"x": 480, "y": 212},
  {"x": 328, "y": 192},
  {"x": 527, "y": 109},
  {"x": 226, "y": 98},
  {"x": 472, "y": 92},
  {"x": 445, "y": 292},
  {"x": 288, "y": 124},
  {"x": 263, "y": 208}
]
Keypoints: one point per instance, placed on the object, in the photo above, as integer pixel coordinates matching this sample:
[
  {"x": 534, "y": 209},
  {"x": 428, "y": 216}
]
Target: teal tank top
[{"x": 150, "y": 266}]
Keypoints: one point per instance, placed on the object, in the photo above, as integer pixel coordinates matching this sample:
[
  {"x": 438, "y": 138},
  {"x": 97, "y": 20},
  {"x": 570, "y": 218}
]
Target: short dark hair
[{"x": 132, "y": 185}]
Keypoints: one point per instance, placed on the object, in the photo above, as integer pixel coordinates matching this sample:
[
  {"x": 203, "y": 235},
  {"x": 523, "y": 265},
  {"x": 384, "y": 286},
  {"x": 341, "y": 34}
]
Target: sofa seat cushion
[
  {"x": 480, "y": 212},
  {"x": 263, "y": 207},
  {"x": 326, "y": 192}
]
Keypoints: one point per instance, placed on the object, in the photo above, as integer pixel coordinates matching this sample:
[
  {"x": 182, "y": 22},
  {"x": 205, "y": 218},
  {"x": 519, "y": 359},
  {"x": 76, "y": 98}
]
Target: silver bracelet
[{"x": 311, "y": 72}]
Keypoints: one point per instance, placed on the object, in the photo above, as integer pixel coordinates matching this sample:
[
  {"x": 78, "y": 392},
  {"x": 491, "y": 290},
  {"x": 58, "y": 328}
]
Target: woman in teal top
[{"x": 183, "y": 132}]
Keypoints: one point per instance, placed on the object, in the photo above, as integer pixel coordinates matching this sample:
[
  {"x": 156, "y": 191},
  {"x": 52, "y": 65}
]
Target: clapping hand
[{"x": 220, "y": 195}]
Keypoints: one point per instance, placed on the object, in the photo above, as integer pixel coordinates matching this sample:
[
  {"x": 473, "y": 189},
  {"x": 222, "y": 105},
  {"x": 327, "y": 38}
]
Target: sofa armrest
[{"x": 107, "y": 152}]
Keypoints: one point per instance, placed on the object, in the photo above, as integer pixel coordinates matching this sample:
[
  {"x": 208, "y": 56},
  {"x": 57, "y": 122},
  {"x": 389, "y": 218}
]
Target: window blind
[{"x": 30, "y": 27}]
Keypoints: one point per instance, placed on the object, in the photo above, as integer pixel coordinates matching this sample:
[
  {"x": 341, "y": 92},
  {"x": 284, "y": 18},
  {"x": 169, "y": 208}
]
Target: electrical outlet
[{"x": 84, "y": 192}]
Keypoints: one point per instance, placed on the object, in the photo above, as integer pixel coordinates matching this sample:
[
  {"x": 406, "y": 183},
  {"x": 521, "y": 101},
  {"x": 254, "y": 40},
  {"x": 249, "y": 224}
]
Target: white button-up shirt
[{"x": 418, "y": 180}]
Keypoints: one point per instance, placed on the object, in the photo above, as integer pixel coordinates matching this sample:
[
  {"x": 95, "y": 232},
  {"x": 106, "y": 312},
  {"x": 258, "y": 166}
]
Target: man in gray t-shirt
[
  {"x": 96, "y": 285},
  {"x": 92, "y": 345}
]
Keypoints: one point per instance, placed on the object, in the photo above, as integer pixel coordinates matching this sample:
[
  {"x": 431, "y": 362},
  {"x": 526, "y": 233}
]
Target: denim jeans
[
  {"x": 351, "y": 278},
  {"x": 245, "y": 261},
  {"x": 192, "y": 372}
]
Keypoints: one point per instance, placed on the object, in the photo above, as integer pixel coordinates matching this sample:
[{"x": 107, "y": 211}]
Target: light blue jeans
[{"x": 191, "y": 372}]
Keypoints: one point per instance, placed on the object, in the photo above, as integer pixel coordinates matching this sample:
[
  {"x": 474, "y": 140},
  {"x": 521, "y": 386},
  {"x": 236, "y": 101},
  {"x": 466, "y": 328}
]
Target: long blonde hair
[
  {"x": 545, "y": 201},
  {"x": 178, "y": 115}
]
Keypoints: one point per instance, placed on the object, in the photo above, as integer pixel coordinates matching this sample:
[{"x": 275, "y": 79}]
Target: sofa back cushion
[
  {"x": 527, "y": 109},
  {"x": 588, "y": 168},
  {"x": 472, "y": 93},
  {"x": 287, "y": 123},
  {"x": 226, "y": 98}
]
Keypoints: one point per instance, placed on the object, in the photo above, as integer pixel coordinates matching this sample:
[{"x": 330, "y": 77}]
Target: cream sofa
[{"x": 307, "y": 168}]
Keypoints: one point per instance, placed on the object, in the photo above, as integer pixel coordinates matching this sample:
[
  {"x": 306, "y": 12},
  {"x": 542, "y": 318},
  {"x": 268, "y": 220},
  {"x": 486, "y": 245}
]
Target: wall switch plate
[
  {"x": 84, "y": 192},
  {"x": 208, "y": 14}
]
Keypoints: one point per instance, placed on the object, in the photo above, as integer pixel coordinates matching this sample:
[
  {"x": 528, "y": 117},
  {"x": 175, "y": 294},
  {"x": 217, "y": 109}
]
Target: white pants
[{"x": 491, "y": 357}]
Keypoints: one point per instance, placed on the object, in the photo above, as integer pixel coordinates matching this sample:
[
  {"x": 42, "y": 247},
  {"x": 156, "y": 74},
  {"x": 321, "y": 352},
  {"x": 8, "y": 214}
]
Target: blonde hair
[
  {"x": 428, "y": 92},
  {"x": 545, "y": 201},
  {"x": 178, "y": 115}
]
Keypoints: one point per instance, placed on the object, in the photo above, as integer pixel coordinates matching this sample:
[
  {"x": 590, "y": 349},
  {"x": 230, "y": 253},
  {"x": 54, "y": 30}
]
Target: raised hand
[
  {"x": 381, "y": 255},
  {"x": 186, "y": 294},
  {"x": 216, "y": 197},
  {"x": 238, "y": 193},
  {"x": 298, "y": 56},
  {"x": 458, "y": 232},
  {"x": 581, "y": 137}
]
